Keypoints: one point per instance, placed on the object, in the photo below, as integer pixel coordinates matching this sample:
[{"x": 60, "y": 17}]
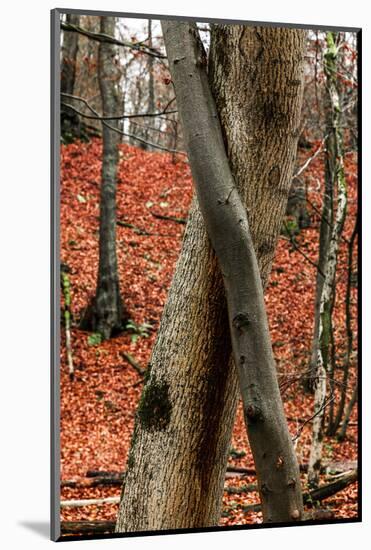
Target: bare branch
[
  {"x": 122, "y": 133},
  {"x": 295, "y": 245},
  {"x": 118, "y": 117},
  {"x": 100, "y": 37},
  {"x": 300, "y": 429}
]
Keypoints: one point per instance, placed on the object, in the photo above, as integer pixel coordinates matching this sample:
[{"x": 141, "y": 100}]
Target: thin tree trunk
[
  {"x": 69, "y": 55},
  {"x": 326, "y": 228},
  {"x": 348, "y": 326},
  {"x": 176, "y": 470},
  {"x": 326, "y": 302},
  {"x": 151, "y": 85},
  {"x": 324, "y": 238},
  {"x": 348, "y": 412},
  {"x": 70, "y": 122},
  {"x": 106, "y": 313},
  {"x": 65, "y": 283}
]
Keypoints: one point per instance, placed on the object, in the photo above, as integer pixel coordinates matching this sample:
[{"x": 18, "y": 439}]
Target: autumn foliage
[{"x": 154, "y": 192}]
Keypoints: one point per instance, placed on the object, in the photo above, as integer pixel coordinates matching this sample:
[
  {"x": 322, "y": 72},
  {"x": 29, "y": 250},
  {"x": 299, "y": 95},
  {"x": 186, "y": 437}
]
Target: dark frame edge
[
  {"x": 359, "y": 269},
  {"x": 161, "y": 17},
  {"x": 55, "y": 528}
]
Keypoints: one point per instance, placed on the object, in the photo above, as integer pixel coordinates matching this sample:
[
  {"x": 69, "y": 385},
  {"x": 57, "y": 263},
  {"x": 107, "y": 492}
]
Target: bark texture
[
  {"x": 176, "y": 467},
  {"x": 227, "y": 227},
  {"x": 106, "y": 313}
]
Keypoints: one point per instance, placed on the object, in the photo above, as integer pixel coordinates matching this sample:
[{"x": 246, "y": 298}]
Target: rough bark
[
  {"x": 227, "y": 226},
  {"x": 106, "y": 313},
  {"x": 176, "y": 469},
  {"x": 327, "y": 295}
]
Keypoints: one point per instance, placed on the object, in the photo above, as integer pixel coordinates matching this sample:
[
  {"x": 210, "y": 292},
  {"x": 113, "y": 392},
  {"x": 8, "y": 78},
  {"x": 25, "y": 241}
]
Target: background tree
[
  {"x": 70, "y": 122},
  {"x": 336, "y": 176},
  {"x": 106, "y": 314},
  {"x": 181, "y": 440}
]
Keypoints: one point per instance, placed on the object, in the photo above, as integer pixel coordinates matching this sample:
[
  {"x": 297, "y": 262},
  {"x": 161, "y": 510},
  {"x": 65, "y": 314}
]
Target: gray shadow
[{"x": 42, "y": 528}]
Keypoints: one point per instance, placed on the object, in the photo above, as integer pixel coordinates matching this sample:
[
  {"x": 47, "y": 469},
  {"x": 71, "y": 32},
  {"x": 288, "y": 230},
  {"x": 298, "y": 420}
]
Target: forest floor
[{"x": 98, "y": 406}]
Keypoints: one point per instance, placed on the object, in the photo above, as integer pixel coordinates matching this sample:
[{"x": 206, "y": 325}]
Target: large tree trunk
[
  {"x": 177, "y": 462},
  {"x": 106, "y": 313},
  {"x": 227, "y": 226}
]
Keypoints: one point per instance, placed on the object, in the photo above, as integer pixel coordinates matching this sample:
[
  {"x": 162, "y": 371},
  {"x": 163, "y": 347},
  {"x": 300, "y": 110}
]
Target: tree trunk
[
  {"x": 336, "y": 161},
  {"x": 348, "y": 412},
  {"x": 70, "y": 122},
  {"x": 177, "y": 461},
  {"x": 106, "y": 313},
  {"x": 324, "y": 240},
  {"x": 227, "y": 227},
  {"x": 151, "y": 89},
  {"x": 69, "y": 55},
  {"x": 332, "y": 429}
]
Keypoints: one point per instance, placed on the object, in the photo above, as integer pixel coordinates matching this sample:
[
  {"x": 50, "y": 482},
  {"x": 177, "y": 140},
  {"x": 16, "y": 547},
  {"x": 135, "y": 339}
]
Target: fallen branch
[
  {"x": 130, "y": 359},
  {"x": 169, "y": 218},
  {"x": 136, "y": 229},
  {"x": 331, "y": 488},
  {"x": 249, "y": 488},
  {"x": 140, "y": 231},
  {"x": 93, "y": 482},
  {"x": 86, "y": 527},
  {"x": 319, "y": 494},
  {"x": 89, "y": 502},
  {"x": 115, "y": 478}
]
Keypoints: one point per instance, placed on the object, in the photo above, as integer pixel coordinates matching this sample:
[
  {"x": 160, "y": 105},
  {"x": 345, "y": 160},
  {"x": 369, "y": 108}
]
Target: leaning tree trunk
[
  {"x": 106, "y": 314},
  {"x": 177, "y": 461},
  {"x": 326, "y": 302},
  {"x": 227, "y": 226}
]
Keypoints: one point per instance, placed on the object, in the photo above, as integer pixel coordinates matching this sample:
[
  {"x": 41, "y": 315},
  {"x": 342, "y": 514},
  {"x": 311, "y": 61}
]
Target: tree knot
[
  {"x": 253, "y": 413},
  {"x": 241, "y": 321}
]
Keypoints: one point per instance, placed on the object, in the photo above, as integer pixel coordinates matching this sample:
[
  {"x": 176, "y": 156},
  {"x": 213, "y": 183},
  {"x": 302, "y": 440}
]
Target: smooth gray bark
[{"x": 227, "y": 226}]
